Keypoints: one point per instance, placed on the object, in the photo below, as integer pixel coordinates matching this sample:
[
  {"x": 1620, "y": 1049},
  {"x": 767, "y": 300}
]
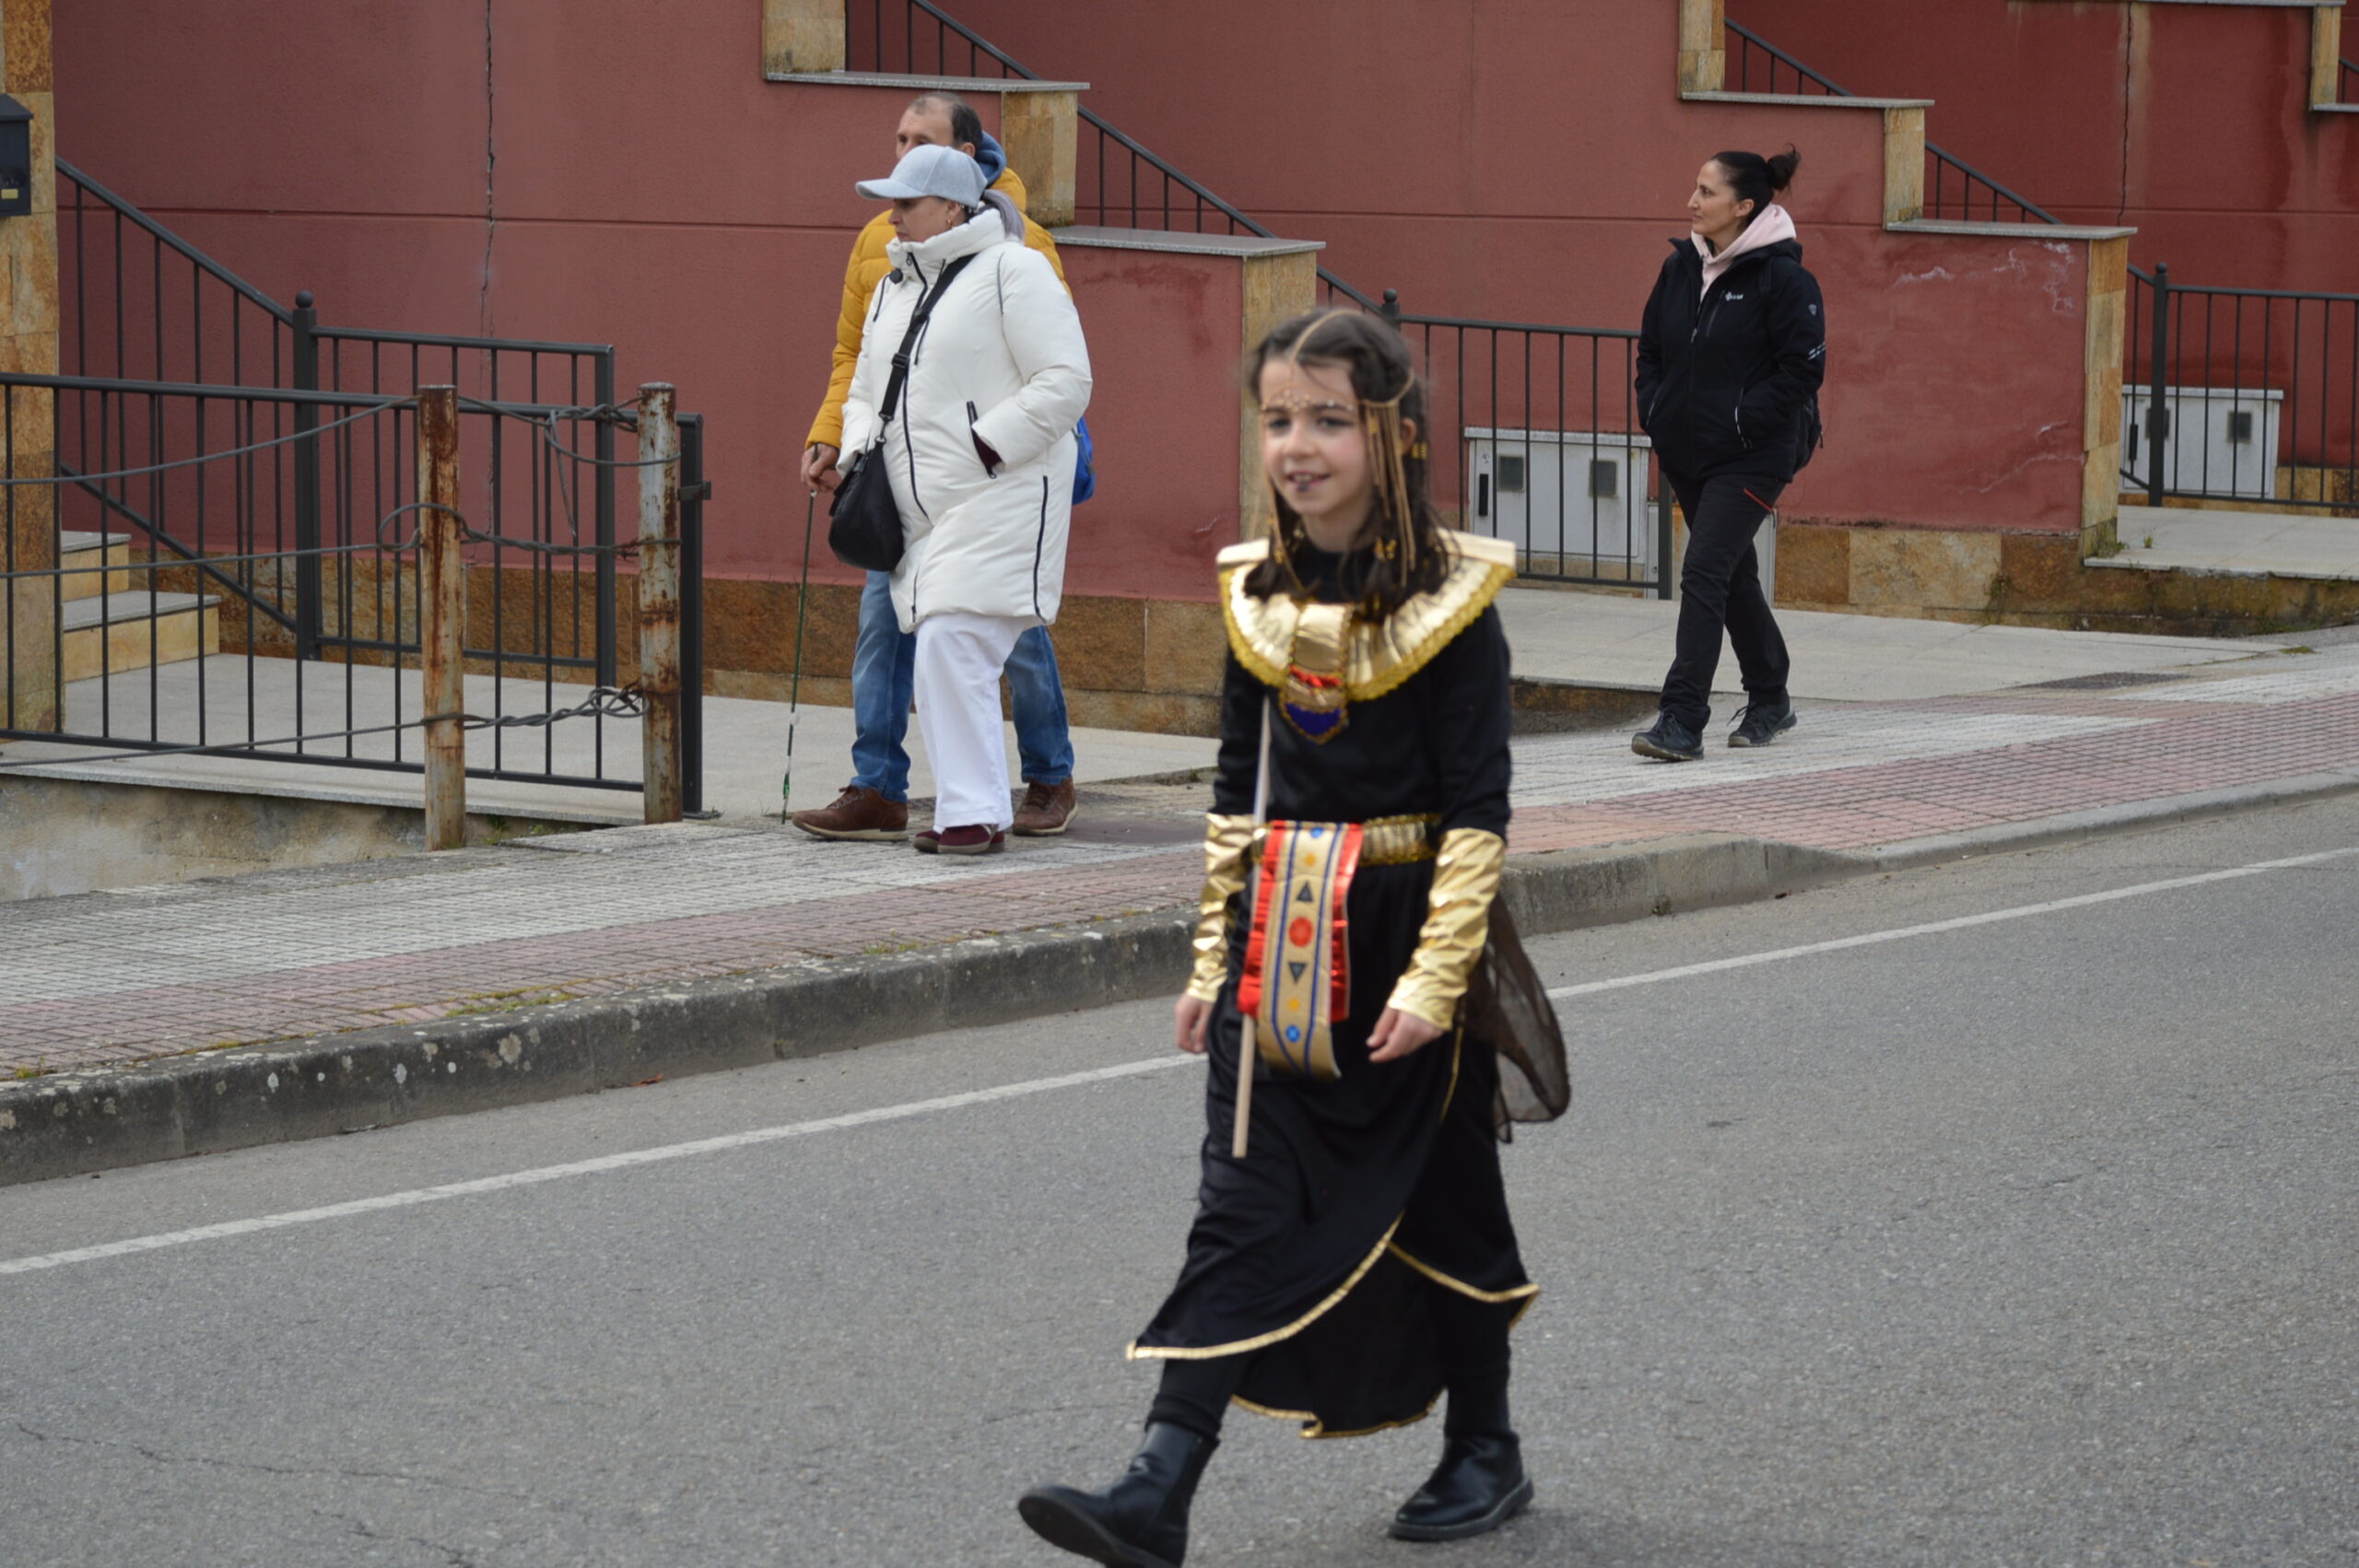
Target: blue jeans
[{"x": 884, "y": 671}]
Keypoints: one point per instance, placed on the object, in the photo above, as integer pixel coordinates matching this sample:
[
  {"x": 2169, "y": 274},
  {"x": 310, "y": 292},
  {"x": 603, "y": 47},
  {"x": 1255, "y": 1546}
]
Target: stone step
[
  {"x": 78, "y": 548},
  {"x": 128, "y": 631}
]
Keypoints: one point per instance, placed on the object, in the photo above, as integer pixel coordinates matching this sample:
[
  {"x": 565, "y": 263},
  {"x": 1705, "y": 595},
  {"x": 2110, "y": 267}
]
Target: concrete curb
[
  {"x": 2104, "y": 820},
  {"x": 72, "y": 1123}
]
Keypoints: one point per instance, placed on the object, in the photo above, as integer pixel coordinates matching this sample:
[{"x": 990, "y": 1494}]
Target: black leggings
[
  {"x": 1720, "y": 589},
  {"x": 1195, "y": 1394}
]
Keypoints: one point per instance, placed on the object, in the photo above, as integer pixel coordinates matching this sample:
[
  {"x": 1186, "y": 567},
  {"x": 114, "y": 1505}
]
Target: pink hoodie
[{"x": 1768, "y": 226}]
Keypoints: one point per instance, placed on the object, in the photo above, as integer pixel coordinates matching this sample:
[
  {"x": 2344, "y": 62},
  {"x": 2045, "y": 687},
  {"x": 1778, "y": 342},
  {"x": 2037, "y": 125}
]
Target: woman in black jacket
[{"x": 1730, "y": 356}]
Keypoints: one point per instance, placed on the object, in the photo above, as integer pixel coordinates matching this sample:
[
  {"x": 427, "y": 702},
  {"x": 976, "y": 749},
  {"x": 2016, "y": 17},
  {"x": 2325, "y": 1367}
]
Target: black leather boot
[
  {"x": 1478, "y": 1486},
  {"x": 1138, "y": 1522}
]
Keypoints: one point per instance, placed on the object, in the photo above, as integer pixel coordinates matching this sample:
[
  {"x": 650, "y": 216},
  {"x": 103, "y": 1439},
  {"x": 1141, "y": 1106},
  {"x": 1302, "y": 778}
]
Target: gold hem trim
[
  {"x": 1136, "y": 1352},
  {"x": 1314, "y": 1429},
  {"x": 1521, "y": 1293}
]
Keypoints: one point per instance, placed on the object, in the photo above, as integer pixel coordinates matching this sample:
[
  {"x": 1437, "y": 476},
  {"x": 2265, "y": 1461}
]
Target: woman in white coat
[{"x": 980, "y": 455}]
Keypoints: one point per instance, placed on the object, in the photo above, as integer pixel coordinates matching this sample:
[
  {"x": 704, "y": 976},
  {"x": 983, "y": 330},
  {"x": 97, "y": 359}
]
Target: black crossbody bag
[{"x": 864, "y": 525}]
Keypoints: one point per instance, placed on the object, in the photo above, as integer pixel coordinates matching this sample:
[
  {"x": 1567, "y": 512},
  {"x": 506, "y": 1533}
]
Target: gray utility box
[
  {"x": 2218, "y": 440},
  {"x": 1572, "y": 496}
]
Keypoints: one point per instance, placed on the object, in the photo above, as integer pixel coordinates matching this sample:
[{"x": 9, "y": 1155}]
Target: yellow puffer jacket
[{"x": 869, "y": 265}]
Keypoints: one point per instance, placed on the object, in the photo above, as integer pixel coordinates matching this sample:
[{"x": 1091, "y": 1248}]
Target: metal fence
[
  {"x": 1954, "y": 190},
  {"x": 2346, "y": 81},
  {"x": 141, "y": 304},
  {"x": 1536, "y": 441},
  {"x": 153, "y": 581},
  {"x": 2242, "y": 395}
]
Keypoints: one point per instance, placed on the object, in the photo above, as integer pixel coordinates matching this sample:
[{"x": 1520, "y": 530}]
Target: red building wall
[
  {"x": 584, "y": 172},
  {"x": 589, "y": 173},
  {"x": 2191, "y": 123},
  {"x": 1527, "y": 160}
]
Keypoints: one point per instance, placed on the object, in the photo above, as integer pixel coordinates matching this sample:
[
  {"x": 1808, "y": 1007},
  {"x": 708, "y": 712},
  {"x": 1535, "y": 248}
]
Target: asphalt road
[{"x": 2025, "y": 1241}]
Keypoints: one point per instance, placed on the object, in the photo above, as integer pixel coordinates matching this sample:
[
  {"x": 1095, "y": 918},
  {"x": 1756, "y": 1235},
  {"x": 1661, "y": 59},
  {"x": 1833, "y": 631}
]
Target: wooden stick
[{"x": 1248, "y": 1049}]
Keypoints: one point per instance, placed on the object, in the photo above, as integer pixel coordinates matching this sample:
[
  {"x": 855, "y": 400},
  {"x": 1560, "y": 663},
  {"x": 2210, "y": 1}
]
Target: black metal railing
[
  {"x": 1536, "y": 441},
  {"x": 2244, "y": 394},
  {"x": 2346, "y": 81},
  {"x": 1955, "y": 191},
  {"x": 140, "y": 303},
  {"x": 1118, "y": 183},
  {"x": 161, "y": 620}
]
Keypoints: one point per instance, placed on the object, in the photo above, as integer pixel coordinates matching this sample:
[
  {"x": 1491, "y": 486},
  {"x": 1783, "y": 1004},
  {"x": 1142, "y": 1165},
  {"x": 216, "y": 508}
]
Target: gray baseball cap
[{"x": 930, "y": 172}]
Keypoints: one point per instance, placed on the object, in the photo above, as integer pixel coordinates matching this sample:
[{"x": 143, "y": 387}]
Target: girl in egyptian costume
[{"x": 1352, "y": 1257}]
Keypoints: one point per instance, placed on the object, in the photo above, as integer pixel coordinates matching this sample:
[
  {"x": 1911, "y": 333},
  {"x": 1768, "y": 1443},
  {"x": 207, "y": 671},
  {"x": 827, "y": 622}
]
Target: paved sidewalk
[
  {"x": 114, "y": 978},
  {"x": 1589, "y": 638},
  {"x": 2236, "y": 544}
]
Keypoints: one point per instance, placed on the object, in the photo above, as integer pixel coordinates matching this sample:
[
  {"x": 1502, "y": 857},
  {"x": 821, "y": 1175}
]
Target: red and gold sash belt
[{"x": 1296, "y": 985}]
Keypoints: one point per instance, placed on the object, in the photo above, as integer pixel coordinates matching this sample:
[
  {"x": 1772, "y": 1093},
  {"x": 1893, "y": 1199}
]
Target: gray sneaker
[
  {"x": 1757, "y": 723},
  {"x": 1668, "y": 739}
]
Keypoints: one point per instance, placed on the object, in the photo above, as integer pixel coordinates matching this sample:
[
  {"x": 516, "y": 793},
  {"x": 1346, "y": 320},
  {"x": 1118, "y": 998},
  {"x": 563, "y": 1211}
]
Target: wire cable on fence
[
  {"x": 470, "y": 534},
  {"x": 213, "y": 457},
  {"x": 191, "y": 563},
  {"x": 604, "y": 702}
]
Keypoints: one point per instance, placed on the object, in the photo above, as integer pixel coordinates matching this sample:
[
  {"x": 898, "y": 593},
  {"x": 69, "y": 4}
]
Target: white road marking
[
  {"x": 1933, "y": 928},
  {"x": 604, "y": 1162},
  {"x": 584, "y": 1167}
]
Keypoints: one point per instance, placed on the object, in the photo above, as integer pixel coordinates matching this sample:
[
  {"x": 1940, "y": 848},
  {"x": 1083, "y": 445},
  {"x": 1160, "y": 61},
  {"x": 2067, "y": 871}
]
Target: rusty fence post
[
  {"x": 442, "y": 616},
  {"x": 659, "y": 599}
]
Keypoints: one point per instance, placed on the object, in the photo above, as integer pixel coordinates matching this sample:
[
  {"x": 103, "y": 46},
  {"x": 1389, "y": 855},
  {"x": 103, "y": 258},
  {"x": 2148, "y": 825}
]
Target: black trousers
[
  {"x": 1720, "y": 589},
  {"x": 1195, "y": 1394}
]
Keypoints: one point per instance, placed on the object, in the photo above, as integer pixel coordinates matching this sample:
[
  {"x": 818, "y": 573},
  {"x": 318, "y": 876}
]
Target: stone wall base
[{"x": 2035, "y": 579}]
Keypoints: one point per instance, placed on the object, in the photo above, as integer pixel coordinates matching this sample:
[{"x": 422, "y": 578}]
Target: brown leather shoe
[
  {"x": 1047, "y": 811},
  {"x": 858, "y": 813}
]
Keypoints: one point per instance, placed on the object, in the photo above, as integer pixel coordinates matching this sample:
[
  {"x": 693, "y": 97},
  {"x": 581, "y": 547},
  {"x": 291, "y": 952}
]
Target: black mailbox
[{"x": 15, "y": 157}]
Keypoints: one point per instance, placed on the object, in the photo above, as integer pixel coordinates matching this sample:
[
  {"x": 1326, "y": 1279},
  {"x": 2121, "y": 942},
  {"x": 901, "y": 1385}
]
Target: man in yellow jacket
[{"x": 875, "y": 805}]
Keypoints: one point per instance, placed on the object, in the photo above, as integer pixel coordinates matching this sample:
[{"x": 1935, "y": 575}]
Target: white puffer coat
[{"x": 1002, "y": 358}]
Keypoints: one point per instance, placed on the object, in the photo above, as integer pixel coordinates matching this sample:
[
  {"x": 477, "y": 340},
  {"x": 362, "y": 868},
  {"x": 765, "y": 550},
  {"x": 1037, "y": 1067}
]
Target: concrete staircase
[{"x": 111, "y": 624}]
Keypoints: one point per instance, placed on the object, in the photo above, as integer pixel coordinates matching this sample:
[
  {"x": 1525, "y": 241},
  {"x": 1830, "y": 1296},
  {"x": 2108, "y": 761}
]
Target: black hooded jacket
[{"x": 1723, "y": 377}]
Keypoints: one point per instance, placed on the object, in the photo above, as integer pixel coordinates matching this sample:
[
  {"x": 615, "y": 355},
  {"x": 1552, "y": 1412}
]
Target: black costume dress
[{"x": 1317, "y": 1256}]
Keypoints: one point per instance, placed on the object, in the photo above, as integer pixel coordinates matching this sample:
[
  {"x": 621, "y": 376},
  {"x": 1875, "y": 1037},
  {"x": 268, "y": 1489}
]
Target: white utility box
[
  {"x": 1573, "y": 495},
  {"x": 2219, "y": 441}
]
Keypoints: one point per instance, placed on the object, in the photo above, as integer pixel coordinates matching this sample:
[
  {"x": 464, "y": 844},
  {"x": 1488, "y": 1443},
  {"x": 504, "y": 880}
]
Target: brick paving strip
[{"x": 502, "y": 936}]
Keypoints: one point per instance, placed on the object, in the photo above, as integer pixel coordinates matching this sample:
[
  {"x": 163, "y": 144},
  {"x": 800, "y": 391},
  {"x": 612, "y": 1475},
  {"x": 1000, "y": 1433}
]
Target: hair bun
[{"x": 1782, "y": 167}]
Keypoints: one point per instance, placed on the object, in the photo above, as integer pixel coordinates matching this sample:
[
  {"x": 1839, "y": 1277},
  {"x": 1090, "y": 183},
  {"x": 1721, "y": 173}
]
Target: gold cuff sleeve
[
  {"x": 1458, "y": 921},
  {"x": 1228, "y": 850}
]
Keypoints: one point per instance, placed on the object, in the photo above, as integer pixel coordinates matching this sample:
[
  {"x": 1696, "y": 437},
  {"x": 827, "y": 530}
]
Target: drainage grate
[{"x": 2106, "y": 682}]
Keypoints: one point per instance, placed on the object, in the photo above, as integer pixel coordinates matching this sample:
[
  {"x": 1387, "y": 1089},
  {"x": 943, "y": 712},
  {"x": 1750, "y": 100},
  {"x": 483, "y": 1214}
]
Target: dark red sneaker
[{"x": 961, "y": 841}]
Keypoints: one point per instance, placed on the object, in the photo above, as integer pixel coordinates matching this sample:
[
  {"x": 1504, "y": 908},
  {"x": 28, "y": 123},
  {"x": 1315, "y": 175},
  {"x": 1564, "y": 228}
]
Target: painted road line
[
  {"x": 1934, "y": 928},
  {"x": 605, "y": 1163}
]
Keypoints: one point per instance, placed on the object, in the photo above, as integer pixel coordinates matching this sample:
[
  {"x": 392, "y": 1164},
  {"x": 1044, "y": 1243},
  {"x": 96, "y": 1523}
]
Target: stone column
[
  {"x": 1703, "y": 45},
  {"x": 2326, "y": 56},
  {"x": 1278, "y": 287},
  {"x": 2101, "y": 480},
  {"x": 1039, "y": 132},
  {"x": 29, "y": 344},
  {"x": 801, "y": 36}
]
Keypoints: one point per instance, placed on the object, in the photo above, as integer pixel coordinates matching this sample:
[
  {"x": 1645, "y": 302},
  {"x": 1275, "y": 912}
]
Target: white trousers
[{"x": 959, "y": 662}]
